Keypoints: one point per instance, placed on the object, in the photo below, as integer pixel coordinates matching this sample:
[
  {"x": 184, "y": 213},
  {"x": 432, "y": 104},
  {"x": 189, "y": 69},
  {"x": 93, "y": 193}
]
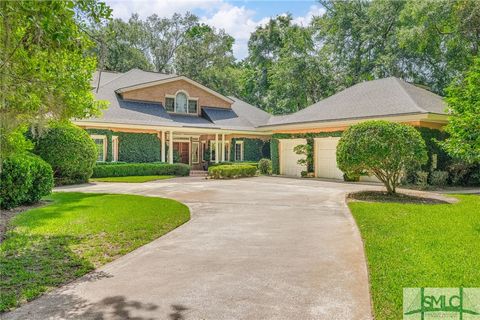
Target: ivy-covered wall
[
  {"x": 309, "y": 136},
  {"x": 253, "y": 149},
  {"x": 132, "y": 147},
  {"x": 108, "y": 134},
  {"x": 431, "y": 136}
]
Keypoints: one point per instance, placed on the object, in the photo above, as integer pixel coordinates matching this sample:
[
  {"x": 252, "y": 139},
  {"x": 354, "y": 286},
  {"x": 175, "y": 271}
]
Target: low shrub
[
  {"x": 463, "y": 174},
  {"x": 232, "y": 171},
  {"x": 229, "y": 163},
  {"x": 265, "y": 166},
  {"x": 439, "y": 178},
  {"x": 140, "y": 169},
  {"x": 25, "y": 179},
  {"x": 421, "y": 179},
  {"x": 70, "y": 151}
]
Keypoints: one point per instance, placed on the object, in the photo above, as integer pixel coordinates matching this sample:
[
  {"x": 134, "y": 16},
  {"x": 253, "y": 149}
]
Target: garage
[
  {"x": 288, "y": 158},
  {"x": 326, "y": 159}
]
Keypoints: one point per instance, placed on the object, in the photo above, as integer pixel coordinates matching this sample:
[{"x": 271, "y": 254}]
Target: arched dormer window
[{"x": 181, "y": 103}]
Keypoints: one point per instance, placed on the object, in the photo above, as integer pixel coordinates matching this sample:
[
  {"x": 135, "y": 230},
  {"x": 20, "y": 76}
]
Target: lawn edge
[
  {"x": 358, "y": 233},
  {"x": 86, "y": 275}
]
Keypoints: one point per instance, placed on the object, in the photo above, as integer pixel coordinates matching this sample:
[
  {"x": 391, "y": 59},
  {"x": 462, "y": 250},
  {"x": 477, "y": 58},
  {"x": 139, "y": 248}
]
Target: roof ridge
[
  {"x": 120, "y": 76},
  {"x": 402, "y": 84}
]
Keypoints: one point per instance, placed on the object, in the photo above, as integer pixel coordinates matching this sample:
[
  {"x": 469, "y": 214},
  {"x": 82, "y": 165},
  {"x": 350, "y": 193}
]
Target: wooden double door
[{"x": 183, "y": 150}]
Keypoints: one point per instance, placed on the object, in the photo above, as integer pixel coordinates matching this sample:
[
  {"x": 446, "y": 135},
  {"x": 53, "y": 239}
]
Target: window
[
  {"x": 212, "y": 150},
  {"x": 238, "y": 150},
  {"x": 115, "y": 148},
  {"x": 227, "y": 151},
  {"x": 195, "y": 152},
  {"x": 170, "y": 104},
  {"x": 100, "y": 142},
  {"x": 181, "y": 103},
  {"x": 192, "y": 106}
]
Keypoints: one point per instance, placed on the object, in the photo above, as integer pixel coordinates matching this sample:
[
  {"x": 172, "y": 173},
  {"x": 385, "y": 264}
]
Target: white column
[
  {"x": 217, "y": 154},
  {"x": 163, "y": 145},
  {"x": 170, "y": 147},
  {"x": 223, "y": 147}
]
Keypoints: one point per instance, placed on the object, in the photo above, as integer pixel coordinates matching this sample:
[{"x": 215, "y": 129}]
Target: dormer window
[{"x": 181, "y": 103}]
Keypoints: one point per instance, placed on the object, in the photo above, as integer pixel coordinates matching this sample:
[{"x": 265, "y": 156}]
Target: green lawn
[
  {"x": 415, "y": 245},
  {"x": 132, "y": 179},
  {"x": 78, "y": 232}
]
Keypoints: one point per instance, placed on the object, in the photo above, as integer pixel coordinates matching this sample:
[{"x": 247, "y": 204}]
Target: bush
[
  {"x": 439, "y": 178},
  {"x": 265, "y": 166},
  {"x": 25, "y": 179},
  {"x": 421, "y": 179},
  {"x": 229, "y": 163},
  {"x": 462, "y": 173},
  {"x": 381, "y": 148},
  {"x": 232, "y": 171},
  {"x": 70, "y": 151},
  {"x": 103, "y": 170}
]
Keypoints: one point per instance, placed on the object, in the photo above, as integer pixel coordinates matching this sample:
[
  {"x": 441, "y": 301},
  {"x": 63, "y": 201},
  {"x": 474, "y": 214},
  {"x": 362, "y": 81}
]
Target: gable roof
[
  {"x": 242, "y": 116},
  {"x": 377, "y": 98},
  {"x": 170, "y": 79}
]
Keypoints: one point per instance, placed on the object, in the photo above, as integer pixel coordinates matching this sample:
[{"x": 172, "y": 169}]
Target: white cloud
[
  {"x": 238, "y": 21},
  {"x": 305, "y": 20},
  {"x": 124, "y": 8}
]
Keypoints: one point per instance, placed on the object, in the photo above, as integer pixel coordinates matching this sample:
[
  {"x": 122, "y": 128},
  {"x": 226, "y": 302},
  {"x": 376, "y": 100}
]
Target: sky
[{"x": 237, "y": 18}]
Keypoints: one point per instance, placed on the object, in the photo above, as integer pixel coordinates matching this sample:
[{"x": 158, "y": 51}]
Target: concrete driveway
[{"x": 256, "y": 248}]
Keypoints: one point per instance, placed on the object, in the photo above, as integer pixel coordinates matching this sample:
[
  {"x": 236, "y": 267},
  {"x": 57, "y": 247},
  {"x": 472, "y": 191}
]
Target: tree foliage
[
  {"x": 463, "y": 98},
  {"x": 45, "y": 65},
  {"x": 178, "y": 44},
  {"x": 381, "y": 148},
  {"x": 70, "y": 151}
]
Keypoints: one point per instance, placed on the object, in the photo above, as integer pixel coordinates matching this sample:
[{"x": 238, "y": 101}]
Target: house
[{"x": 170, "y": 118}]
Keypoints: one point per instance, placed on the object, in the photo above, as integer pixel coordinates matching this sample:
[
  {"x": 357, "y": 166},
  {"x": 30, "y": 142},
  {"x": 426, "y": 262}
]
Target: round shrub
[
  {"x": 70, "y": 151},
  {"x": 25, "y": 179},
  {"x": 265, "y": 166},
  {"x": 381, "y": 148}
]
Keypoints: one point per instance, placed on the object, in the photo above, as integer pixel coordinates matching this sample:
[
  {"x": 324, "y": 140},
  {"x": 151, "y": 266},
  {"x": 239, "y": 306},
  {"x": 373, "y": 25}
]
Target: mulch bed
[
  {"x": 382, "y": 196},
  {"x": 6, "y": 215}
]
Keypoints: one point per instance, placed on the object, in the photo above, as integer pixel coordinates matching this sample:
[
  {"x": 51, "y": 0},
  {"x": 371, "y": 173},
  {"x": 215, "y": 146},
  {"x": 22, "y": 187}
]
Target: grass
[
  {"x": 418, "y": 245},
  {"x": 78, "y": 232},
  {"x": 131, "y": 179}
]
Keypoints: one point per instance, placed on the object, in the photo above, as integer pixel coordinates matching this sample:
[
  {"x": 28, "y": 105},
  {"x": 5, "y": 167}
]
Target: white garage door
[
  {"x": 288, "y": 158},
  {"x": 326, "y": 159}
]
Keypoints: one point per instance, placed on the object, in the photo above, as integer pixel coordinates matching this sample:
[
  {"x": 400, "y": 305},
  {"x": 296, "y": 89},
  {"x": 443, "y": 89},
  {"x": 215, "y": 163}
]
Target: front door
[{"x": 182, "y": 148}]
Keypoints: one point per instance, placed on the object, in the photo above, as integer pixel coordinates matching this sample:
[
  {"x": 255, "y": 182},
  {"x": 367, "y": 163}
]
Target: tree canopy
[
  {"x": 463, "y": 98},
  {"x": 45, "y": 65},
  {"x": 381, "y": 148}
]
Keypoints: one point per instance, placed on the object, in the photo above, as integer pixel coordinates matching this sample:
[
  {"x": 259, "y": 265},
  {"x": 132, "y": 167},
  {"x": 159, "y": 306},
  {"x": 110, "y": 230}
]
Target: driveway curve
[{"x": 256, "y": 248}]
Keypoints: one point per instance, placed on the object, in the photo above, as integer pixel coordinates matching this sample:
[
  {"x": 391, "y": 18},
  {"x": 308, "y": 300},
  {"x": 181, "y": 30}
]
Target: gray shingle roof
[
  {"x": 383, "y": 97},
  {"x": 242, "y": 116}
]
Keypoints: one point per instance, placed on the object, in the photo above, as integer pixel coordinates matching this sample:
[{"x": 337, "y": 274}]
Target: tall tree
[
  {"x": 165, "y": 36},
  {"x": 284, "y": 71},
  {"x": 45, "y": 66},
  {"x": 206, "y": 55},
  {"x": 125, "y": 44},
  {"x": 463, "y": 98}
]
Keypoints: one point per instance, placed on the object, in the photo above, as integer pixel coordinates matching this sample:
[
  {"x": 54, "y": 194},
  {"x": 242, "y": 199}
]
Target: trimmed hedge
[
  {"x": 232, "y": 171},
  {"x": 228, "y": 163},
  {"x": 140, "y": 169},
  {"x": 25, "y": 179},
  {"x": 70, "y": 151}
]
